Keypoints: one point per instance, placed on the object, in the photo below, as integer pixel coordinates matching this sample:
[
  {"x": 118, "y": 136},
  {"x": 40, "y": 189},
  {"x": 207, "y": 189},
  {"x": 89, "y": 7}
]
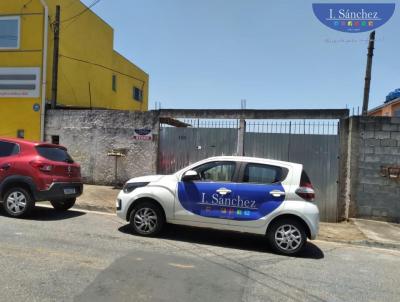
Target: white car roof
[{"x": 253, "y": 160}]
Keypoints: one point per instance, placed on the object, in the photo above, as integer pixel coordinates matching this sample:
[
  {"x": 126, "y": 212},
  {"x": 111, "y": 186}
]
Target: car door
[
  {"x": 206, "y": 199},
  {"x": 259, "y": 193},
  {"x": 7, "y": 151}
]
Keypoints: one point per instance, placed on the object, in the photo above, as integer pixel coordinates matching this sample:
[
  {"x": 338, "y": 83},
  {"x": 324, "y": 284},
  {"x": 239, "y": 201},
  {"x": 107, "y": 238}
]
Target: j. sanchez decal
[
  {"x": 243, "y": 202},
  {"x": 353, "y": 17}
]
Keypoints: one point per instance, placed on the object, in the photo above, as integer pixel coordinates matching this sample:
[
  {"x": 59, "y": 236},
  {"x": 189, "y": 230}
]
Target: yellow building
[{"x": 91, "y": 73}]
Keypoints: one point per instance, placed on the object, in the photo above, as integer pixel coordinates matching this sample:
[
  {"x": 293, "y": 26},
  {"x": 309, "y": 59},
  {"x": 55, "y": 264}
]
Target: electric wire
[
  {"x": 101, "y": 66},
  {"x": 81, "y": 12}
]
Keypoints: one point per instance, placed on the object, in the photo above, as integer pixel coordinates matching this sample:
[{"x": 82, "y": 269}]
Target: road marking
[{"x": 183, "y": 266}]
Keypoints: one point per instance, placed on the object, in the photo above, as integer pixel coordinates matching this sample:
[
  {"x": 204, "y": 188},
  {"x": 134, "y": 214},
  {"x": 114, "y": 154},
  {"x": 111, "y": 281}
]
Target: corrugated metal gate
[
  {"x": 313, "y": 144},
  {"x": 180, "y": 147}
]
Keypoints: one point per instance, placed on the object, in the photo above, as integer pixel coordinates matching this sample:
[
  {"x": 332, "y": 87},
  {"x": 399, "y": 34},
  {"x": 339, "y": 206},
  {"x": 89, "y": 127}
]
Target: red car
[{"x": 32, "y": 171}]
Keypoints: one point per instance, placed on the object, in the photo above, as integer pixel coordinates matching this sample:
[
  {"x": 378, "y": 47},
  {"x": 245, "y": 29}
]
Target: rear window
[
  {"x": 55, "y": 154},
  {"x": 8, "y": 149},
  {"x": 264, "y": 174}
]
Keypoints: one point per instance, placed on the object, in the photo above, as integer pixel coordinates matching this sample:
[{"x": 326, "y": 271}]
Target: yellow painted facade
[{"x": 87, "y": 64}]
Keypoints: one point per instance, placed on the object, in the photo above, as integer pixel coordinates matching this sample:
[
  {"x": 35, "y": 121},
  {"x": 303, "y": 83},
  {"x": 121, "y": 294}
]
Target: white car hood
[{"x": 149, "y": 178}]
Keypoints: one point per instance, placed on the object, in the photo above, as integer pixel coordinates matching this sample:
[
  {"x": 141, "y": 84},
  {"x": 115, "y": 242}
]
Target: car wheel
[
  {"x": 63, "y": 205},
  {"x": 147, "y": 219},
  {"x": 287, "y": 236},
  {"x": 18, "y": 202}
]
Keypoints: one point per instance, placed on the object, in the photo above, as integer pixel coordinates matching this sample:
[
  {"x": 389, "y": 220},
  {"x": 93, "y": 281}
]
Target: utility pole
[
  {"x": 54, "y": 87},
  {"x": 367, "y": 86}
]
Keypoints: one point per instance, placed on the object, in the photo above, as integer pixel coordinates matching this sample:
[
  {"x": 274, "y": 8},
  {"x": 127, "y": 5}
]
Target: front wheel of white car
[
  {"x": 287, "y": 236},
  {"x": 147, "y": 219}
]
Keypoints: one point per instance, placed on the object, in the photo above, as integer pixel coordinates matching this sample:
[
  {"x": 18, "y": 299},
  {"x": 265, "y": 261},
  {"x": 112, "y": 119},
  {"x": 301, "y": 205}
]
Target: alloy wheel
[
  {"x": 145, "y": 220},
  {"x": 288, "y": 237}
]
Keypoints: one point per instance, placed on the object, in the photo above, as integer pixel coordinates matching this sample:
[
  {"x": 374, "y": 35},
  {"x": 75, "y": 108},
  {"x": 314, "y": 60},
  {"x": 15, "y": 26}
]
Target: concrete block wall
[
  {"x": 375, "y": 196},
  {"x": 90, "y": 134}
]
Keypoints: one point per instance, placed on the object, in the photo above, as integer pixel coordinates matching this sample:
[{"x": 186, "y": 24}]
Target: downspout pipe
[{"x": 44, "y": 67}]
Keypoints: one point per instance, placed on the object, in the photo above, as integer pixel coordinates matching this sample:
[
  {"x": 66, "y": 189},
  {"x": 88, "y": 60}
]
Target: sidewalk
[
  {"x": 98, "y": 198},
  {"x": 356, "y": 231}
]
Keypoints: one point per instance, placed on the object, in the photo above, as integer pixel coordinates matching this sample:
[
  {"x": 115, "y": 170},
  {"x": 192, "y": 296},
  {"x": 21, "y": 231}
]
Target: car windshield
[{"x": 55, "y": 154}]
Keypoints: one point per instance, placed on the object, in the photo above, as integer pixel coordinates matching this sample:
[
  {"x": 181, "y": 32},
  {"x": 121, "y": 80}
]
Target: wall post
[{"x": 241, "y": 134}]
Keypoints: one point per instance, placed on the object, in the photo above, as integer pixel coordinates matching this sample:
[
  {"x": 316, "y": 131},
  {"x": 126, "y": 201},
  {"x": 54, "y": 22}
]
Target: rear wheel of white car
[
  {"x": 147, "y": 219},
  {"x": 287, "y": 236}
]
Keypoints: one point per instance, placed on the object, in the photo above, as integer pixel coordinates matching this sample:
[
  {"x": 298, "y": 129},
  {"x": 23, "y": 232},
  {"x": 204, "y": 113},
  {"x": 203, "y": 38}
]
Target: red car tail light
[
  {"x": 306, "y": 189},
  {"x": 42, "y": 166}
]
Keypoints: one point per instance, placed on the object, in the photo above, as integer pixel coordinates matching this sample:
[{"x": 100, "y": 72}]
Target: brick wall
[
  {"x": 90, "y": 134},
  {"x": 376, "y": 143}
]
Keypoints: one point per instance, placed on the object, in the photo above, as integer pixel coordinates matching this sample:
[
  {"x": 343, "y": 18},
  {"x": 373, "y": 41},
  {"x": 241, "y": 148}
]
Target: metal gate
[
  {"x": 180, "y": 147},
  {"x": 313, "y": 144}
]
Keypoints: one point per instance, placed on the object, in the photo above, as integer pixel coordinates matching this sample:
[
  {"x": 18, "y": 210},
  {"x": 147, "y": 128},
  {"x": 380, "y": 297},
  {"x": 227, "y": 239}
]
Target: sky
[{"x": 275, "y": 54}]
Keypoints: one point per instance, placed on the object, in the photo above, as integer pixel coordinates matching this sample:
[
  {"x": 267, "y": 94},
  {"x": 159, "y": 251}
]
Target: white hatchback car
[{"x": 244, "y": 194}]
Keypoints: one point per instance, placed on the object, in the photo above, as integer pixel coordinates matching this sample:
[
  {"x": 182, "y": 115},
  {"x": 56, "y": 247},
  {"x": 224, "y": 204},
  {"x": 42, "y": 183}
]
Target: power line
[
  {"x": 82, "y": 12},
  {"x": 102, "y": 66}
]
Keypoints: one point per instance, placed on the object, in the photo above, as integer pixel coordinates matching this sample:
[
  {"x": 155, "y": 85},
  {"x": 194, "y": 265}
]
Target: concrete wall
[
  {"x": 375, "y": 143},
  {"x": 90, "y": 134}
]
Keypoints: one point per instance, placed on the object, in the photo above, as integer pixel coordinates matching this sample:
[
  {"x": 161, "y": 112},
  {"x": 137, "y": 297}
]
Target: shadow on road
[
  {"x": 49, "y": 214},
  {"x": 226, "y": 239}
]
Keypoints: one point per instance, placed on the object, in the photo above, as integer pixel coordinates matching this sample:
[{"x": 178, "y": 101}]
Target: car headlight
[{"x": 130, "y": 186}]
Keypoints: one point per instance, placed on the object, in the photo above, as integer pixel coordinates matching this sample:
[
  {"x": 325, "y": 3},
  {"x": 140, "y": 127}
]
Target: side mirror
[{"x": 190, "y": 176}]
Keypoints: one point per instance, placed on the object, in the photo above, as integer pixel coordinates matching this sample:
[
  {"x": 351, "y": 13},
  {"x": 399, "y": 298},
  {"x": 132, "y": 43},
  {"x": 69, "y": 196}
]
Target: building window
[
  {"x": 9, "y": 32},
  {"x": 20, "y": 133},
  {"x": 397, "y": 113},
  {"x": 55, "y": 139},
  {"x": 137, "y": 94},
  {"x": 114, "y": 82}
]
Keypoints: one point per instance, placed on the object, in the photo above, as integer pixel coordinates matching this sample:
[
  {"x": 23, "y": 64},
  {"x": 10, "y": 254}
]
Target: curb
[
  {"x": 95, "y": 208},
  {"x": 366, "y": 243}
]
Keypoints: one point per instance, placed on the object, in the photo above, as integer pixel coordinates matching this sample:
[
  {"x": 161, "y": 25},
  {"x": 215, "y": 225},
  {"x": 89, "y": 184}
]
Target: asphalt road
[{"x": 79, "y": 256}]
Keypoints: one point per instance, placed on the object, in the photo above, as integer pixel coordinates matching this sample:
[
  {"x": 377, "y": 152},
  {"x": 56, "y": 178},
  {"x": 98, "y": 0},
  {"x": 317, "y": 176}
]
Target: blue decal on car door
[
  {"x": 235, "y": 201},
  {"x": 204, "y": 198},
  {"x": 267, "y": 199}
]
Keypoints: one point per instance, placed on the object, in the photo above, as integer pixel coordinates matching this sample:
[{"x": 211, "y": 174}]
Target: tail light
[
  {"x": 306, "y": 189},
  {"x": 42, "y": 166}
]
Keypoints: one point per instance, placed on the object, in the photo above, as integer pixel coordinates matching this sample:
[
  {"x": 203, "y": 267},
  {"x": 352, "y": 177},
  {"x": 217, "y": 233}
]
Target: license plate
[{"x": 69, "y": 191}]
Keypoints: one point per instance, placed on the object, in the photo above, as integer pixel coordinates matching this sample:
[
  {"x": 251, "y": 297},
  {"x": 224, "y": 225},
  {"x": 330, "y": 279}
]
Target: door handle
[
  {"x": 277, "y": 193},
  {"x": 5, "y": 167},
  {"x": 224, "y": 191}
]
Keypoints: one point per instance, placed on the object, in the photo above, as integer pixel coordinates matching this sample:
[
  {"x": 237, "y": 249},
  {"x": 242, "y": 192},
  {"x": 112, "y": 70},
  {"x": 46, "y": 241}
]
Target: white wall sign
[{"x": 20, "y": 82}]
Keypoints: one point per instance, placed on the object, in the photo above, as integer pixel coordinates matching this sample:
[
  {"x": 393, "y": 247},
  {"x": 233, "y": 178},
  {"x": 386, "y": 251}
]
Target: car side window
[
  {"x": 216, "y": 171},
  {"x": 264, "y": 174},
  {"x": 8, "y": 149}
]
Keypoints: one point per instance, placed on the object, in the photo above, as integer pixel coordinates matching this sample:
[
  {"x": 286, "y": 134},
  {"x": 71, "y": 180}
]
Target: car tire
[
  {"x": 287, "y": 236},
  {"x": 63, "y": 205},
  {"x": 18, "y": 202},
  {"x": 147, "y": 219}
]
